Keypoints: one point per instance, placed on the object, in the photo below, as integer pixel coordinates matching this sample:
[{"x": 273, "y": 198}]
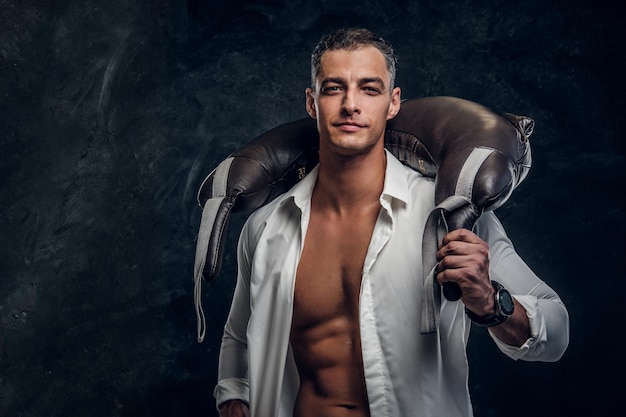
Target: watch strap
[{"x": 493, "y": 319}]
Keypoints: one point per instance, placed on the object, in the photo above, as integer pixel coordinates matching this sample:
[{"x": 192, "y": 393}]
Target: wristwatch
[{"x": 504, "y": 308}]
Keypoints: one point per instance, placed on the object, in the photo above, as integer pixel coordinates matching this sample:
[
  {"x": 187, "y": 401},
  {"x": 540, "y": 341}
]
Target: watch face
[{"x": 506, "y": 302}]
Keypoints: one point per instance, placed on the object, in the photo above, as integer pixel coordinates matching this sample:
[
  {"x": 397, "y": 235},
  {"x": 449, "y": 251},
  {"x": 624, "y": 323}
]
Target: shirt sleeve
[
  {"x": 547, "y": 315},
  {"x": 233, "y": 360}
]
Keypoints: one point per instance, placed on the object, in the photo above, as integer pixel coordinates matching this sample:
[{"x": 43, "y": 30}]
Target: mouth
[{"x": 349, "y": 126}]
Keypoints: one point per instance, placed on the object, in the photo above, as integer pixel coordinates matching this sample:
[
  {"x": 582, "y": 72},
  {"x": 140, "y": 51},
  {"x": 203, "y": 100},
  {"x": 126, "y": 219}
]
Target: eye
[
  {"x": 372, "y": 91},
  {"x": 331, "y": 89}
]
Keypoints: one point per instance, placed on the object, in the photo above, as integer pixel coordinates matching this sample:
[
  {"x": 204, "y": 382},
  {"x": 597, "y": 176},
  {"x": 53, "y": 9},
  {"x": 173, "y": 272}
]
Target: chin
[{"x": 352, "y": 147}]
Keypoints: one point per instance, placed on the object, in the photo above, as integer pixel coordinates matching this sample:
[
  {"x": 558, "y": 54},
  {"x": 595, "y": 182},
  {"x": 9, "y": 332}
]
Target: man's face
[{"x": 352, "y": 101}]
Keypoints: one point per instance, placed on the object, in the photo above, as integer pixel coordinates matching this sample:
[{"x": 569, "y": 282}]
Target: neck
[{"x": 348, "y": 183}]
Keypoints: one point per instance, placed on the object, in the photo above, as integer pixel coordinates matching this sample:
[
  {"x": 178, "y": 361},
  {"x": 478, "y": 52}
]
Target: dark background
[{"x": 112, "y": 113}]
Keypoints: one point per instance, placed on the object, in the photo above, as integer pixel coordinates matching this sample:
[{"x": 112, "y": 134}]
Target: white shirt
[{"x": 406, "y": 373}]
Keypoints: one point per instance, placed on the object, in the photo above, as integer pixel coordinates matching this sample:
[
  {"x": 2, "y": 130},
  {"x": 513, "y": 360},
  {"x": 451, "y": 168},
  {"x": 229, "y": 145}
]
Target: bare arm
[{"x": 516, "y": 330}]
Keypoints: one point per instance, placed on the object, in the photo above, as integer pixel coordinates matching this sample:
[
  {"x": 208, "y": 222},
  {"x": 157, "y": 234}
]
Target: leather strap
[
  {"x": 209, "y": 214},
  {"x": 435, "y": 230}
]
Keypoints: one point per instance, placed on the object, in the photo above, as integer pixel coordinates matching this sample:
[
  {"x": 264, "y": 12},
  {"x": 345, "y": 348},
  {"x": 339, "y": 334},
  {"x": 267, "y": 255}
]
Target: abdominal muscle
[
  {"x": 330, "y": 366},
  {"x": 325, "y": 337}
]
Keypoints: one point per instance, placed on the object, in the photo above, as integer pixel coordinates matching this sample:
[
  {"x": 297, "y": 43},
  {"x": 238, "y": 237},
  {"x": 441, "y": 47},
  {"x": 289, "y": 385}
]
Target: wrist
[
  {"x": 230, "y": 404},
  {"x": 503, "y": 307},
  {"x": 234, "y": 408}
]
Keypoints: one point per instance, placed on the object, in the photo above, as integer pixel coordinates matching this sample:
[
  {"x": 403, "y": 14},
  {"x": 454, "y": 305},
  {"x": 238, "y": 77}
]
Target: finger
[
  {"x": 477, "y": 255},
  {"x": 463, "y": 235},
  {"x": 456, "y": 247},
  {"x": 464, "y": 270}
]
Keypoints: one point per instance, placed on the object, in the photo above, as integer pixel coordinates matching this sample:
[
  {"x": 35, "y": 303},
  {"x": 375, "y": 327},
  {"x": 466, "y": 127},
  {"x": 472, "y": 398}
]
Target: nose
[{"x": 350, "y": 103}]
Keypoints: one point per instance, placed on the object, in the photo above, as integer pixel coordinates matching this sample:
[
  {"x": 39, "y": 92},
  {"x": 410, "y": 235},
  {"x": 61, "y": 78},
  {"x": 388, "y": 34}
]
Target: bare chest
[{"x": 328, "y": 277}]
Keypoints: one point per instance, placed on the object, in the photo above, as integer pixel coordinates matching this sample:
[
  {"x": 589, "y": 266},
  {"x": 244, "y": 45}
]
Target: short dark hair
[{"x": 351, "y": 39}]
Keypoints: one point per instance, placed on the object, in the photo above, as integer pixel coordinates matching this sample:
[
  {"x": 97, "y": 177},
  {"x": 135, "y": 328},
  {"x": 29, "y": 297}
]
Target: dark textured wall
[{"x": 112, "y": 113}]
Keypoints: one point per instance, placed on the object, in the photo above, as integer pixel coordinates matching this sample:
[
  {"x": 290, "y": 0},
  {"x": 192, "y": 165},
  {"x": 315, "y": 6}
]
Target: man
[{"x": 325, "y": 316}]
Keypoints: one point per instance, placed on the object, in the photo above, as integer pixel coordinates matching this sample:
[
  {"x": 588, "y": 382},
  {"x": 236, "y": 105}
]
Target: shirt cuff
[
  {"x": 231, "y": 389},
  {"x": 538, "y": 333}
]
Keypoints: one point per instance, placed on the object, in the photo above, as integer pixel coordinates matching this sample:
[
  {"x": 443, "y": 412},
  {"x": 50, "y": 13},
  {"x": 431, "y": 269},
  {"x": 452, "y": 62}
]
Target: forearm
[
  {"x": 515, "y": 331},
  {"x": 233, "y": 361},
  {"x": 234, "y": 408},
  {"x": 233, "y": 372},
  {"x": 233, "y": 364},
  {"x": 546, "y": 315},
  {"x": 549, "y": 329}
]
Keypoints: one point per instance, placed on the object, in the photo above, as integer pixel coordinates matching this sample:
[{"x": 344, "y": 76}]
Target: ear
[
  {"x": 310, "y": 103},
  {"x": 394, "y": 105}
]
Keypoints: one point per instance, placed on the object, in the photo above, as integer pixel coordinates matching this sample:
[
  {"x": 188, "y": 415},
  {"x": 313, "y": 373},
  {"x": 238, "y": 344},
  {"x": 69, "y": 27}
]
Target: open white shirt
[{"x": 406, "y": 373}]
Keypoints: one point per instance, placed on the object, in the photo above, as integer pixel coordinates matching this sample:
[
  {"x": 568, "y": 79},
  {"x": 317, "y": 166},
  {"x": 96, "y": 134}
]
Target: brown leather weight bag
[{"x": 476, "y": 156}]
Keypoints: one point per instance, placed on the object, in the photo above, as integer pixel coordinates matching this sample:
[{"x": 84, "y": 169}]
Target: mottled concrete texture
[{"x": 112, "y": 112}]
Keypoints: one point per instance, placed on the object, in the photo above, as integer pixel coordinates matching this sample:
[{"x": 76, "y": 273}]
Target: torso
[{"x": 325, "y": 335}]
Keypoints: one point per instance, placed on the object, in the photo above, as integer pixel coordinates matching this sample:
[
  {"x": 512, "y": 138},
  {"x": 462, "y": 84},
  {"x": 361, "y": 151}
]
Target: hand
[
  {"x": 464, "y": 258},
  {"x": 234, "y": 408}
]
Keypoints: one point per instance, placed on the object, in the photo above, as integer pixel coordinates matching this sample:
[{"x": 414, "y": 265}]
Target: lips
[{"x": 349, "y": 126}]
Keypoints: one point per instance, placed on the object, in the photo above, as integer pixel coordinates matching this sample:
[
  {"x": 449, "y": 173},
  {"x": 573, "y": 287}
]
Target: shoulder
[
  {"x": 490, "y": 229},
  {"x": 405, "y": 184},
  {"x": 281, "y": 212},
  {"x": 258, "y": 219}
]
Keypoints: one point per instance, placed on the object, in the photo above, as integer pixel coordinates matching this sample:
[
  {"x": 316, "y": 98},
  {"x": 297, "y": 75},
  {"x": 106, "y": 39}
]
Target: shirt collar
[
  {"x": 300, "y": 194},
  {"x": 395, "y": 185}
]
